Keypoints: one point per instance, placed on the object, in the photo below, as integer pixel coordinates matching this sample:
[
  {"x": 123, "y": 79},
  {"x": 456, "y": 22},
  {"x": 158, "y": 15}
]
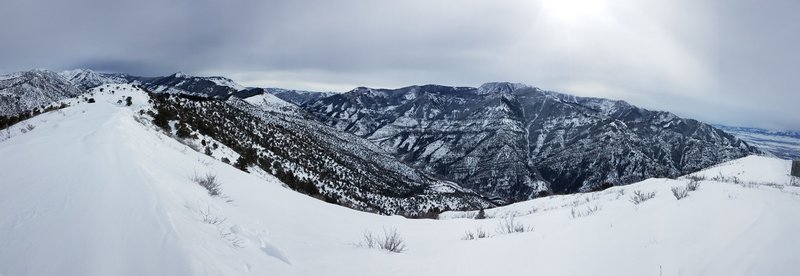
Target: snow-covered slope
[
  {"x": 272, "y": 103},
  {"x": 92, "y": 190}
]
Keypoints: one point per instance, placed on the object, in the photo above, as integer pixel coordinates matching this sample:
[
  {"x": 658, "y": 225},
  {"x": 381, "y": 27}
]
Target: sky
[{"x": 725, "y": 62}]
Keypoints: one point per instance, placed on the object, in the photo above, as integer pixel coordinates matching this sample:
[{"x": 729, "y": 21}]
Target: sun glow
[{"x": 575, "y": 11}]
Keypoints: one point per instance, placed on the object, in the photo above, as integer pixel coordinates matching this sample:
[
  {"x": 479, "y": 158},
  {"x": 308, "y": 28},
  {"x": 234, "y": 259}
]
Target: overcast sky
[{"x": 730, "y": 62}]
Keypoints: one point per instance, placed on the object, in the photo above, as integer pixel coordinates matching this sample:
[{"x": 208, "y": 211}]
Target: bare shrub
[
  {"x": 771, "y": 185},
  {"x": 746, "y": 184},
  {"x": 680, "y": 192},
  {"x": 5, "y": 134},
  {"x": 533, "y": 210},
  {"x": 207, "y": 216},
  {"x": 620, "y": 193},
  {"x": 693, "y": 185},
  {"x": 639, "y": 197},
  {"x": 696, "y": 177},
  {"x": 509, "y": 225},
  {"x": 722, "y": 178},
  {"x": 479, "y": 233},
  {"x": 590, "y": 210},
  {"x": 208, "y": 181},
  {"x": 232, "y": 239},
  {"x": 795, "y": 181},
  {"x": 390, "y": 241}
]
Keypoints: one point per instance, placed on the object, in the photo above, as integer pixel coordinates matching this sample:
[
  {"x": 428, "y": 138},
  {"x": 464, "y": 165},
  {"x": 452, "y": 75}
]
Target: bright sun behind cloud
[{"x": 575, "y": 12}]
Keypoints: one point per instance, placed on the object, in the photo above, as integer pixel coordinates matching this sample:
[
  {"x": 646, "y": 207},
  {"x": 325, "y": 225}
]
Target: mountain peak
[
  {"x": 180, "y": 75},
  {"x": 501, "y": 87}
]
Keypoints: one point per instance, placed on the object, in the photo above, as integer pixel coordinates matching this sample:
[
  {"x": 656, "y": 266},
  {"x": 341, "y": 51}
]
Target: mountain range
[{"x": 415, "y": 149}]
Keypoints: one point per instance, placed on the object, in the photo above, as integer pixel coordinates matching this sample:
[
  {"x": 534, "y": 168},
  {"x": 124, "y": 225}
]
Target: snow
[
  {"x": 784, "y": 144},
  {"x": 770, "y": 170},
  {"x": 222, "y": 81},
  {"x": 272, "y": 103},
  {"x": 94, "y": 189}
]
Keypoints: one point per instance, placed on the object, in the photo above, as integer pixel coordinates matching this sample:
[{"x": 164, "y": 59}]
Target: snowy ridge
[
  {"x": 117, "y": 199},
  {"x": 298, "y": 97},
  {"x": 180, "y": 83},
  {"x": 223, "y": 81},
  {"x": 271, "y": 103}
]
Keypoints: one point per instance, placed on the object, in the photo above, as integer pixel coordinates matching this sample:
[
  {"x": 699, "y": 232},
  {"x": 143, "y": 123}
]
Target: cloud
[{"x": 721, "y": 62}]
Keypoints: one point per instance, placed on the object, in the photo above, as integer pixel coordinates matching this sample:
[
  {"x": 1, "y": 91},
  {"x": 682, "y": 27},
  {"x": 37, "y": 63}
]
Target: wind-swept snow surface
[{"x": 92, "y": 190}]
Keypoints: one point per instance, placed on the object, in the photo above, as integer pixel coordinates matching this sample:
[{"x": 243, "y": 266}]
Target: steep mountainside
[
  {"x": 313, "y": 159},
  {"x": 24, "y": 91},
  {"x": 512, "y": 141}
]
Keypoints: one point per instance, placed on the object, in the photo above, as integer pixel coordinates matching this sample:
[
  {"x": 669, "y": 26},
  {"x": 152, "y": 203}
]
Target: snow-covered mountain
[
  {"x": 506, "y": 141},
  {"x": 783, "y": 144},
  {"x": 271, "y": 136},
  {"x": 311, "y": 157},
  {"x": 180, "y": 83},
  {"x": 96, "y": 189},
  {"x": 512, "y": 141},
  {"x": 23, "y": 92},
  {"x": 298, "y": 97},
  {"x": 85, "y": 78}
]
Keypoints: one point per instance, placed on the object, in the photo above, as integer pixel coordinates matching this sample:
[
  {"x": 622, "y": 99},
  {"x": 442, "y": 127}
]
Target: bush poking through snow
[
  {"x": 696, "y": 177},
  {"x": 693, "y": 185},
  {"x": 639, "y": 197},
  {"x": 680, "y": 192},
  {"x": 590, "y": 210},
  {"x": 27, "y": 128},
  {"x": 208, "y": 181},
  {"x": 208, "y": 217},
  {"x": 795, "y": 181},
  {"x": 477, "y": 234},
  {"x": 390, "y": 241},
  {"x": 509, "y": 225}
]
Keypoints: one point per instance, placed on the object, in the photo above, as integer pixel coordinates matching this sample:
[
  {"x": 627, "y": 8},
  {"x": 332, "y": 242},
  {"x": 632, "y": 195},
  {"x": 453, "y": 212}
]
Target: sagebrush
[
  {"x": 693, "y": 185},
  {"x": 479, "y": 233},
  {"x": 639, "y": 197},
  {"x": 509, "y": 225},
  {"x": 680, "y": 192},
  {"x": 209, "y": 182},
  {"x": 390, "y": 241}
]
